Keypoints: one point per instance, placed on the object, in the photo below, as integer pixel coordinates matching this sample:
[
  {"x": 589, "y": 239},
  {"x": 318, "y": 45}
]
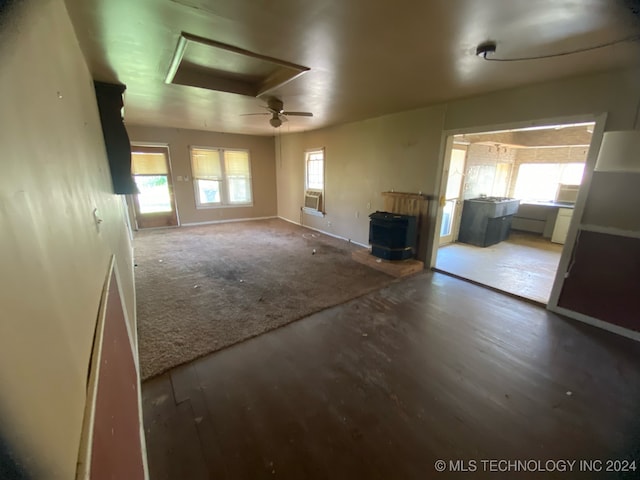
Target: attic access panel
[{"x": 204, "y": 63}]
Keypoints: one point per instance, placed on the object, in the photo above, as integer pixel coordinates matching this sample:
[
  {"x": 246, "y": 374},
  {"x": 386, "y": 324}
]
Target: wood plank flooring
[
  {"x": 428, "y": 368},
  {"x": 524, "y": 265}
]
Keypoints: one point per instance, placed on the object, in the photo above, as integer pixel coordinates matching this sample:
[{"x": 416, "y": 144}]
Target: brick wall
[
  {"x": 551, "y": 155},
  {"x": 479, "y": 154},
  {"x": 482, "y": 174}
]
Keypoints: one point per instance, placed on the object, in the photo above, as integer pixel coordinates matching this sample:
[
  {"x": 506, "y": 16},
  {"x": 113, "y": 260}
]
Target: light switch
[{"x": 97, "y": 218}]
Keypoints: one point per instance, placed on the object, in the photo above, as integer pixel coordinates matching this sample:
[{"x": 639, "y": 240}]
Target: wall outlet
[
  {"x": 357, "y": 214},
  {"x": 328, "y": 224},
  {"x": 368, "y": 205}
]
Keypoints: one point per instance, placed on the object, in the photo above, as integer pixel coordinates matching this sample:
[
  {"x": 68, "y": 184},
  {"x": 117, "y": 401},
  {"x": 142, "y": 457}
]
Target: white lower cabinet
[{"x": 561, "y": 227}]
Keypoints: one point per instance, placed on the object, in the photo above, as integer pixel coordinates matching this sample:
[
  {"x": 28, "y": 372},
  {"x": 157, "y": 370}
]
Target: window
[
  {"x": 314, "y": 182},
  {"x": 315, "y": 170},
  {"x": 222, "y": 177},
  {"x": 539, "y": 181},
  {"x": 151, "y": 174}
]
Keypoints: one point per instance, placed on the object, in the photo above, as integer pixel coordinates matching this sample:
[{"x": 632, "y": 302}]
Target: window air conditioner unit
[
  {"x": 313, "y": 200},
  {"x": 567, "y": 193}
]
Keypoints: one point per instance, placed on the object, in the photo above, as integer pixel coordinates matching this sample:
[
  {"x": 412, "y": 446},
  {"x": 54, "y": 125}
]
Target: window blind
[
  {"x": 148, "y": 164},
  {"x": 236, "y": 163},
  {"x": 206, "y": 164}
]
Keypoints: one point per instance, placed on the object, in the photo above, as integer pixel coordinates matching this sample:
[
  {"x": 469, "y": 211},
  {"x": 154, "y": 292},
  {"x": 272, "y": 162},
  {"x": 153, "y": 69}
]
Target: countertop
[{"x": 550, "y": 204}]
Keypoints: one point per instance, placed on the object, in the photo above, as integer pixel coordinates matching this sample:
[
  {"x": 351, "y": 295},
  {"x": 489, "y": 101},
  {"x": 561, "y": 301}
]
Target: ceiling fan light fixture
[
  {"x": 275, "y": 121},
  {"x": 275, "y": 108}
]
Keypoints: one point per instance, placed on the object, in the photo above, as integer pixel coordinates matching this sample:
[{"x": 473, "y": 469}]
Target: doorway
[
  {"x": 452, "y": 210},
  {"x": 508, "y": 203},
  {"x": 155, "y": 205}
]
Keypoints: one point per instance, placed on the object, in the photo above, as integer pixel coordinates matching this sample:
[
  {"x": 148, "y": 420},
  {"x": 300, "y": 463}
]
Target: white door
[
  {"x": 452, "y": 208},
  {"x": 155, "y": 204}
]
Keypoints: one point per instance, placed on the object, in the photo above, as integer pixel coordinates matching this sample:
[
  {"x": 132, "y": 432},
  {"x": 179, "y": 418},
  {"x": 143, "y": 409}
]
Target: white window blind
[
  {"x": 238, "y": 176},
  {"x": 221, "y": 176},
  {"x": 206, "y": 164},
  {"x": 148, "y": 164}
]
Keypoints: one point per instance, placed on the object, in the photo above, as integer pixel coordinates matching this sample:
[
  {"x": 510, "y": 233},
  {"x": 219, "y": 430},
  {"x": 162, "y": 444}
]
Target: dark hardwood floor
[{"x": 381, "y": 387}]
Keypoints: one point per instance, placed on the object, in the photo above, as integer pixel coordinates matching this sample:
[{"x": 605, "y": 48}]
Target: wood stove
[{"x": 392, "y": 236}]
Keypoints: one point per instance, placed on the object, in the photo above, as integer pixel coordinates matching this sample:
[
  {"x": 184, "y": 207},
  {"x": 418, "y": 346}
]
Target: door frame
[
  {"x": 133, "y": 203},
  {"x": 457, "y": 211},
  {"x": 446, "y": 144}
]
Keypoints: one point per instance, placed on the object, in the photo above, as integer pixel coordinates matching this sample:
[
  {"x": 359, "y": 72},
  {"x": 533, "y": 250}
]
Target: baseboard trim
[
  {"x": 231, "y": 220},
  {"x": 324, "y": 232},
  {"x": 594, "y": 322}
]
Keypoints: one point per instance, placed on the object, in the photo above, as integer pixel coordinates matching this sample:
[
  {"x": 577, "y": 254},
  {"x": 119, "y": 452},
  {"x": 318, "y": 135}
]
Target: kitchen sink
[
  {"x": 492, "y": 199},
  {"x": 493, "y": 207}
]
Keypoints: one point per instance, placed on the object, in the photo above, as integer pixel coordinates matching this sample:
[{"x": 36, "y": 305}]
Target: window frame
[
  {"x": 224, "y": 181},
  {"x": 132, "y": 200},
  {"x": 307, "y": 153}
]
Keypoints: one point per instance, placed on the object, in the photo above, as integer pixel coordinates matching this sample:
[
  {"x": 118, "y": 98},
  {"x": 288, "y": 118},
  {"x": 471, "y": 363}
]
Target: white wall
[{"x": 53, "y": 260}]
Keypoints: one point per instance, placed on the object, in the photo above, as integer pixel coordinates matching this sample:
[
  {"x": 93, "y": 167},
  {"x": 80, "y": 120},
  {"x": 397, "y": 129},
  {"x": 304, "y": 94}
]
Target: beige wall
[
  {"x": 402, "y": 151},
  {"x": 395, "y": 152},
  {"x": 612, "y": 92},
  {"x": 53, "y": 261},
  {"x": 263, "y": 173}
]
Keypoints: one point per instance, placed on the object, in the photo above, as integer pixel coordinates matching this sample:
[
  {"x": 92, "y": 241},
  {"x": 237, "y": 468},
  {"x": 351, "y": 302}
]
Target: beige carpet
[{"x": 200, "y": 289}]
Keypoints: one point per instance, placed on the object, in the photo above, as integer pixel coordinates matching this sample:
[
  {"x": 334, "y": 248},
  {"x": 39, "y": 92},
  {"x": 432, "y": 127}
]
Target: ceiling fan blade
[
  {"x": 299, "y": 114},
  {"x": 247, "y": 114}
]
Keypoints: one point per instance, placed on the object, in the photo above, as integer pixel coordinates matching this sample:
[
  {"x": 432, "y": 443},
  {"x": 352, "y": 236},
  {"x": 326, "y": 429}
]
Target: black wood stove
[{"x": 392, "y": 236}]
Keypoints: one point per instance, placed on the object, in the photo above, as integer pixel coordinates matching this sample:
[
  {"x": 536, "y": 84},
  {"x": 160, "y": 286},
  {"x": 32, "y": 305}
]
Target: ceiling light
[
  {"x": 486, "y": 48},
  {"x": 275, "y": 121},
  {"x": 489, "y": 47}
]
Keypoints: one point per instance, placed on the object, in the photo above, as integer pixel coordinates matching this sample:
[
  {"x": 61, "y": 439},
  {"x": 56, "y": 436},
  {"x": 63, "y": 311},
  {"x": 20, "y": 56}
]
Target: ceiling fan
[{"x": 278, "y": 114}]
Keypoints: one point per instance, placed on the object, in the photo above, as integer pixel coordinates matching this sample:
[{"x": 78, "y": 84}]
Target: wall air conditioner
[
  {"x": 567, "y": 193},
  {"x": 313, "y": 200}
]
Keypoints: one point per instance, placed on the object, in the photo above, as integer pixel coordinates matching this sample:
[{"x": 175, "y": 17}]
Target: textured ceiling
[{"x": 366, "y": 57}]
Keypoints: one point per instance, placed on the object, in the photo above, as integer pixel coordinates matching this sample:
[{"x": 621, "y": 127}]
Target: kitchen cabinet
[
  {"x": 538, "y": 217},
  {"x": 561, "y": 228},
  {"x": 497, "y": 229},
  {"x": 486, "y": 221}
]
